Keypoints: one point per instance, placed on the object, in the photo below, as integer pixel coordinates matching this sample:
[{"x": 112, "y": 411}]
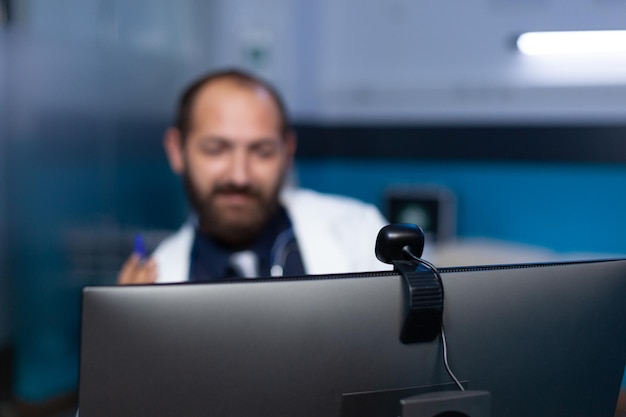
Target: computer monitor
[{"x": 542, "y": 339}]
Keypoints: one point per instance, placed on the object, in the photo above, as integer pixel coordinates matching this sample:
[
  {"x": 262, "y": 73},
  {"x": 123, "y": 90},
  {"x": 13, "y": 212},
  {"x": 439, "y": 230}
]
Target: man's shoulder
[
  {"x": 177, "y": 242},
  {"x": 172, "y": 255}
]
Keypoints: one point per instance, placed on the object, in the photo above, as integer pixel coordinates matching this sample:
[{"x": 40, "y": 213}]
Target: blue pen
[{"x": 139, "y": 247}]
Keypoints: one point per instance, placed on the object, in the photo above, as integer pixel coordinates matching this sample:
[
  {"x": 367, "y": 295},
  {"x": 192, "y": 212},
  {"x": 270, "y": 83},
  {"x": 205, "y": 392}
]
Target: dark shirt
[{"x": 276, "y": 245}]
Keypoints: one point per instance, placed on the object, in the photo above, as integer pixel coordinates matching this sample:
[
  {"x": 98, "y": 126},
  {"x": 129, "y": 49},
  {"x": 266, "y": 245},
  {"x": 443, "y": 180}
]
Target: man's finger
[{"x": 129, "y": 270}]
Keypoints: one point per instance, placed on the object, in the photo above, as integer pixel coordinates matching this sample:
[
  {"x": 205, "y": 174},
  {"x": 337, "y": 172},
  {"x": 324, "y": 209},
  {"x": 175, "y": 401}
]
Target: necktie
[{"x": 245, "y": 264}]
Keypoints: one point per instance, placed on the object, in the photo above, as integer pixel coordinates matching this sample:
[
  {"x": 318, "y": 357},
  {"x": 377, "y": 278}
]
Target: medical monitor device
[
  {"x": 432, "y": 206},
  {"x": 540, "y": 339}
]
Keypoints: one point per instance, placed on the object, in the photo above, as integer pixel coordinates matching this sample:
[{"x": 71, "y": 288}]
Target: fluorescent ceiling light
[{"x": 576, "y": 42}]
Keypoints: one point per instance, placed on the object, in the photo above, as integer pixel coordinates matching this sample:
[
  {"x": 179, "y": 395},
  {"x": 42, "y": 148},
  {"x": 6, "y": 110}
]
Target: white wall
[
  {"x": 402, "y": 60},
  {"x": 418, "y": 60},
  {"x": 425, "y": 60}
]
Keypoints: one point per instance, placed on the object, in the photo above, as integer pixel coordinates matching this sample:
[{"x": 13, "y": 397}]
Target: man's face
[{"x": 235, "y": 159}]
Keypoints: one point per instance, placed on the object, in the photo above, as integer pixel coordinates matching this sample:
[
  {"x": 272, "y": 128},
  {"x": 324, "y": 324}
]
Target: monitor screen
[{"x": 541, "y": 339}]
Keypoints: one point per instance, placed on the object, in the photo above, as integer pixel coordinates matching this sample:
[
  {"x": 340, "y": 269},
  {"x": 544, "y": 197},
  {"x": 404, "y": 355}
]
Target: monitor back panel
[{"x": 545, "y": 341}]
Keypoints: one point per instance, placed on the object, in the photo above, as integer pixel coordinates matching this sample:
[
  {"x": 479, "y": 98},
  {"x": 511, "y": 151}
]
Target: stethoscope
[{"x": 284, "y": 245}]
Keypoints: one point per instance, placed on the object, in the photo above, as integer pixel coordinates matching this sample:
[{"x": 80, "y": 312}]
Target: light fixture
[{"x": 574, "y": 42}]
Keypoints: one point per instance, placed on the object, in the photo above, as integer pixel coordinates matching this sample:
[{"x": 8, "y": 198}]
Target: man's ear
[
  {"x": 173, "y": 145},
  {"x": 292, "y": 143}
]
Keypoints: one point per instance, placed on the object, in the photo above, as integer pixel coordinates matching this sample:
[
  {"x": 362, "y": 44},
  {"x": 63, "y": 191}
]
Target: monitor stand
[{"x": 447, "y": 404}]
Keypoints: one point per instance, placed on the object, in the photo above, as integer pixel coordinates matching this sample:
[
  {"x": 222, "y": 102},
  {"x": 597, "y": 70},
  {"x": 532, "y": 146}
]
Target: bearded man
[{"x": 233, "y": 147}]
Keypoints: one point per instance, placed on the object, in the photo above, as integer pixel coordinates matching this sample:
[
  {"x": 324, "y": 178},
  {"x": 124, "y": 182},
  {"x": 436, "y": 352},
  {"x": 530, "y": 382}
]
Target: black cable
[{"x": 444, "y": 341}]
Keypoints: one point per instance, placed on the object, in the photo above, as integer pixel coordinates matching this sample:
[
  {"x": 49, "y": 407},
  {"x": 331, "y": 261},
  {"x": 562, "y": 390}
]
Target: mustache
[{"x": 229, "y": 188}]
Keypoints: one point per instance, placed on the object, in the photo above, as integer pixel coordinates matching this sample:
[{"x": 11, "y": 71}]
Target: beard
[{"x": 234, "y": 224}]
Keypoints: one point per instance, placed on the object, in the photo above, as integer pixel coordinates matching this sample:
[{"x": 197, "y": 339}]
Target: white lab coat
[{"x": 335, "y": 234}]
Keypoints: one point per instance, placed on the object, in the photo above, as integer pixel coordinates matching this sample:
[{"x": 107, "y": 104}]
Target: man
[{"x": 233, "y": 147}]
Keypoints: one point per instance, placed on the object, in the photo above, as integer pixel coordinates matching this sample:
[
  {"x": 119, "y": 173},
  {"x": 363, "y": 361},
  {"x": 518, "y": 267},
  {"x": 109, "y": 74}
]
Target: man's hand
[{"x": 137, "y": 271}]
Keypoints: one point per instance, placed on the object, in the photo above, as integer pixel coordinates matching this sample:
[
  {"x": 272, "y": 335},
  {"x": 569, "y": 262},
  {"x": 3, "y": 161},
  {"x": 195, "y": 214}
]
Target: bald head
[{"x": 223, "y": 82}]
